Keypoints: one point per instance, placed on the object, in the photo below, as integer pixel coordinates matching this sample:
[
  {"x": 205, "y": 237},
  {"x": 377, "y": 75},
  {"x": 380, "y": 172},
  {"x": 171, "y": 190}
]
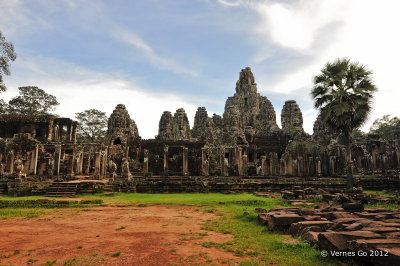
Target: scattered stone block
[{"x": 353, "y": 206}]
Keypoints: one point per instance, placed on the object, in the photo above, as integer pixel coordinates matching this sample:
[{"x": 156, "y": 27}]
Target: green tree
[
  {"x": 32, "y": 100},
  {"x": 343, "y": 93},
  {"x": 7, "y": 54},
  {"x": 386, "y": 127},
  {"x": 92, "y": 125}
]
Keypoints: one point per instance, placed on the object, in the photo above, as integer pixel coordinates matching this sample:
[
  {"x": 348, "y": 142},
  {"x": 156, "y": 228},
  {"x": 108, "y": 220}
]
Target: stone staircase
[{"x": 62, "y": 189}]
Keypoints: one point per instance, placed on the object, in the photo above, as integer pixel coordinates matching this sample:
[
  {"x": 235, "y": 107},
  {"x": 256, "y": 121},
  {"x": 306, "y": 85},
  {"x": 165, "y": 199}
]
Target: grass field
[{"x": 235, "y": 215}]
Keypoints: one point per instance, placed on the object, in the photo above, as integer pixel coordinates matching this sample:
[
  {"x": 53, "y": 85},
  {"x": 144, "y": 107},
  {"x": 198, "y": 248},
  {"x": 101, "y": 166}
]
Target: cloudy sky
[{"x": 156, "y": 55}]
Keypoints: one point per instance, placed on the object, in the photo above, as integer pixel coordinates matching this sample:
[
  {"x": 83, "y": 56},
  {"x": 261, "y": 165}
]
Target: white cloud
[
  {"x": 321, "y": 31},
  {"x": 17, "y": 20},
  {"x": 78, "y": 89},
  {"x": 229, "y": 3},
  {"x": 161, "y": 62}
]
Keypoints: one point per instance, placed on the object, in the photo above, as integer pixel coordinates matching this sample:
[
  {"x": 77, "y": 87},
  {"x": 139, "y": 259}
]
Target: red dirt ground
[{"x": 152, "y": 235}]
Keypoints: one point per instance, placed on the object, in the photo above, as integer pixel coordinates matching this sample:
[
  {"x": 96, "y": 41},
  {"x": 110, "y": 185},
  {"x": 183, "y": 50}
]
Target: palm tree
[{"x": 343, "y": 93}]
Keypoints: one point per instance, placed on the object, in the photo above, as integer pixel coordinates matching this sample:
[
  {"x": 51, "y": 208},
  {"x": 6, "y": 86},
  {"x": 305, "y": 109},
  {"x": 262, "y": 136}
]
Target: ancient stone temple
[{"x": 244, "y": 142}]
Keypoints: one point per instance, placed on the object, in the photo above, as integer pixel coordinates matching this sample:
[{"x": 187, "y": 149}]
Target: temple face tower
[
  {"x": 121, "y": 128},
  {"x": 203, "y": 128},
  {"x": 256, "y": 113},
  {"x": 291, "y": 117},
  {"x": 180, "y": 125},
  {"x": 174, "y": 127},
  {"x": 165, "y": 126}
]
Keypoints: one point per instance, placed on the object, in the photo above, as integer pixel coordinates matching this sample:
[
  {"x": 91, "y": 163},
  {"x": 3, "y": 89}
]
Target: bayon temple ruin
[{"x": 244, "y": 142}]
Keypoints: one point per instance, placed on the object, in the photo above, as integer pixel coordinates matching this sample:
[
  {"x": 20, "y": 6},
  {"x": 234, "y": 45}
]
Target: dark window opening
[
  {"x": 245, "y": 102},
  {"x": 227, "y": 155},
  {"x": 251, "y": 157},
  {"x": 117, "y": 141}
]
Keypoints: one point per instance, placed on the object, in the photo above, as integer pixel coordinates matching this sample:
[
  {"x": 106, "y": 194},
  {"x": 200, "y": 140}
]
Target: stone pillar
[
  {"x": 50, "y": 131},
  {"x": 145, "y": 162},
  {"x": 10, "y": 162},
  {"x": 224, "y": 162},
  {"x": 73, "y": 133},
  {"x": 282, "y": 167},
  {"x": 97, "y": 164},
  {"x": 318, "y": 167},
  {"x": 80, "y": 165},
  {"x": 36, "y": 154},
  {"x": 239, "y": 161},
  {"x": 69, "y": 131},
  {"x": 263, "y": 165},
  {"x": 185, "y": 161},
  {"x": 104, "y": 164},
  {"x": 72, "y": 162},
  {"x": 57, "y": 157},
  {"x": 244, "y": 164},
  {"x": 87, "y": 166},
  {"x": 165, "y": 160},
  {"x": 204, "y": 163}
]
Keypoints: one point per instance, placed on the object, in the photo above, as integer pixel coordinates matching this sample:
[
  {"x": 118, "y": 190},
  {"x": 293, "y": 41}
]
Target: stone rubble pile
[
  {"x": 299, "y": 194},
  {"x": 372, "y": 235}
]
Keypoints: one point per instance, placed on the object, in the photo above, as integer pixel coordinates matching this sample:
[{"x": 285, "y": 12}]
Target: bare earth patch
[{"x": 151, "y": 235}]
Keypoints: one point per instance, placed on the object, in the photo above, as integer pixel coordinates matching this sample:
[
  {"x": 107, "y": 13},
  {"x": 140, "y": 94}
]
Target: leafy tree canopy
[
  {"x": 387, "y": 127},
  {"x": 7, "y": 55},
  {"x": 32, "y": 100},
  {"x": 343, "y": 93},
  {"x": 92, "y": 125}
]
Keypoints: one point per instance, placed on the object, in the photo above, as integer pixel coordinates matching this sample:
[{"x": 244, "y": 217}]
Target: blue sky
[{"x": 158, "y": 55}]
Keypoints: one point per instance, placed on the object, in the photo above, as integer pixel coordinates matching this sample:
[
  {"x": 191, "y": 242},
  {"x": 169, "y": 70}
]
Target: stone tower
[
  {"x": 174, "y": 127},
  {"x": 121, "y": 128},
  {"x": 180, "y": 125},
  {"x": 203, "y": 128},
  {"x": 291, "y": 117},
  {"x": 256, "y": 113},
  {"x": 165, "y": 126}
]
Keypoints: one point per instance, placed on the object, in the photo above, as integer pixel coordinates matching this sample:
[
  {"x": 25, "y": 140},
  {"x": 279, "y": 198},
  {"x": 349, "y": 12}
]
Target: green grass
[
  {"x": 24, "y": 213},
  {"x": 390, "y": 206},
  {"x": 379, "y": 193},
  {"x": 82, "y": 260}
]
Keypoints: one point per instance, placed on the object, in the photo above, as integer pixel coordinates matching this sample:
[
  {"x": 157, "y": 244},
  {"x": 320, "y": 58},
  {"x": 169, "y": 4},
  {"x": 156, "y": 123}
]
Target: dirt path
[{"x": 152, "y": 235}]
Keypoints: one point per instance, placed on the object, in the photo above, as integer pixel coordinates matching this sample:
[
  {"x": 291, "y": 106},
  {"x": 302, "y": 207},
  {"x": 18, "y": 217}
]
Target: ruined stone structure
[{"x": 244, "y": 141}]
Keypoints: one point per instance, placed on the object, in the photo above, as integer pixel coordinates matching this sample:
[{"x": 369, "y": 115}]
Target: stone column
[
  {"x": 87, "y": 166},
  {"x": 239, "y": 161},
  {"x": 185, "y": 161},
  {"x": 73, "y": 133},
  {"x": 204, "y": 163},
  {"x": 104, "y": 164},
  {"x": 57, "y": 157},
  {"x": 80, "y": 165},
  {"x": 72, "y": 162},
  {"x": 69, "y": 130},
  {"x": 245, "y": 163},
  {"x": 263, "y": 165},
  {"x": 222, "y": 162},
  {"x": 318, "y": 167},
  {"x": 145, "y": 162},
  {"x": 97, "y": 164},
  {"x": 165, "y": 160},
  {"x": 10, "y": 163},
  {"x": 36, "y": 154},
  {"x": 50, "y": 131}
]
